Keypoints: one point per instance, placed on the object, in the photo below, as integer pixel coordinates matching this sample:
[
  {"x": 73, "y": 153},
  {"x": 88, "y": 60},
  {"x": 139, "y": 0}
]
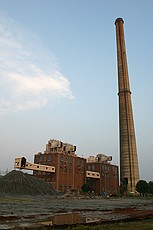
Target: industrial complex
[
  {"x": 72, "y": 171},
  {"x": 60, "y": 165}
]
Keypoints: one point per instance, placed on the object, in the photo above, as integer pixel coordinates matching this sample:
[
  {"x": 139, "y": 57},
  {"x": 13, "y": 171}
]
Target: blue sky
[{"x": 58, "y": 76}]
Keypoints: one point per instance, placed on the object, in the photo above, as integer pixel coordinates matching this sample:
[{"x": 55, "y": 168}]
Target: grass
[{"x": 135, "y": 225}]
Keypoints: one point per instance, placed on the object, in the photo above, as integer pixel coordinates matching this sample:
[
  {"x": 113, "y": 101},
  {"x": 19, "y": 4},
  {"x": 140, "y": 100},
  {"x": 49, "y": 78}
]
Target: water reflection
[
  {"x": 69, "y": 219},
  {"x": 29, "y": 222}
]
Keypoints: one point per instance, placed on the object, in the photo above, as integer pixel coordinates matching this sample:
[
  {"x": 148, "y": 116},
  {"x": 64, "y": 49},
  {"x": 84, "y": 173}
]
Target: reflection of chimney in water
[{"x": 129, "y": 170}]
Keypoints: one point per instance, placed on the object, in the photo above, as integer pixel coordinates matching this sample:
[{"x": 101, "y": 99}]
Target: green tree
[
  {"x": 150, "y": 187},
  {"x": 123, "y": 187},
  {"x": 85, "y": 187},
  {"x": 142, "y": 187}
]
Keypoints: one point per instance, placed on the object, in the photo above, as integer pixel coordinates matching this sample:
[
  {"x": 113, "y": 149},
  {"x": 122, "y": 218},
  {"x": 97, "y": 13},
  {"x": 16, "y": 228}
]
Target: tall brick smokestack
[{"x": 129, "y": 170}]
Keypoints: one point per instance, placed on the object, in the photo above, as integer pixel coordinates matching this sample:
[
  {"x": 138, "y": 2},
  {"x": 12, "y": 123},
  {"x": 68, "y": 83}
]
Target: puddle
[
  {"x": 32, "y": 221},
  {"x": 56, "y": 220},
  {"x": 70, "y": 219}
]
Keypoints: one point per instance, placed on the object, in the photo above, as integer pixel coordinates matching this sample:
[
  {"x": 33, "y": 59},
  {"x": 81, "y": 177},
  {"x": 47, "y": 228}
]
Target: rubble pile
[
  {"x": 17, "y": 183},
  {"x": 77, "y": 194}
]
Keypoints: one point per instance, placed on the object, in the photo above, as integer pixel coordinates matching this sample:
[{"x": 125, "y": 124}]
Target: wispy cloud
[{"x": 29, "y": 74}]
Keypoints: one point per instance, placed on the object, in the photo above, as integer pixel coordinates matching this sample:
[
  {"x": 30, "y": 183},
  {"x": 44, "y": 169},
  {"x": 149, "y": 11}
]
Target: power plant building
[
  {"x": 72, "y": 171},
  {"x": 108, "y": 182}
]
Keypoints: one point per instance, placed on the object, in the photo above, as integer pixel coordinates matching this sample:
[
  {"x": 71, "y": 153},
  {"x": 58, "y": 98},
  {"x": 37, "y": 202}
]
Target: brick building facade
[
  {"x": 71, "y": 171},
  {"x": 109, "y": 180}
]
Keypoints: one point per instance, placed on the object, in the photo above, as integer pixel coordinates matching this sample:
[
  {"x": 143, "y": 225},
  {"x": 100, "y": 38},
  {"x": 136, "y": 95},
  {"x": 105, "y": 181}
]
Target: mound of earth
[{"x": 18, "y": 183}]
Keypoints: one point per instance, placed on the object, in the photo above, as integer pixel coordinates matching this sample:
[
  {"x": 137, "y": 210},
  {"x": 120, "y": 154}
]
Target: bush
[
  {"x": 85, "y": 187},
  {"x": 150, "y": 187},
  {"x": 142, "y": 187}
]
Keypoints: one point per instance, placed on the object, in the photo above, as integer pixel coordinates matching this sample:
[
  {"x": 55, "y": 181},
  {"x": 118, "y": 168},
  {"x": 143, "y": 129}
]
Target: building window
[
  {"x": 39, "y": 158},
  {"x": 49, "y": 157},
  {"x": 70, "y": 168},
  {"x": 66, "y": 161},
  {"x": 44, "y": 157},
  {"x": 65, "y": 169},
  {"x": 61, "y": 160},
  {"x": 93, "y": 167},
  {"x": 61, "y": 168},
  {"x": 70, "y": 161}
]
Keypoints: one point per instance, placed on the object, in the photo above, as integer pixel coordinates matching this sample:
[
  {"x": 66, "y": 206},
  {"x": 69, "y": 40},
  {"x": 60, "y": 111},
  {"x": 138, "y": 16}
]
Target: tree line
[{"x": 142, "y": 187}]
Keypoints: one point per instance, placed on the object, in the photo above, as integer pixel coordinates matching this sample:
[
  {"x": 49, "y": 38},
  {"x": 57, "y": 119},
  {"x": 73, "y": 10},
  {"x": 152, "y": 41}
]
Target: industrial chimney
[{"x": 129, "y": 170}]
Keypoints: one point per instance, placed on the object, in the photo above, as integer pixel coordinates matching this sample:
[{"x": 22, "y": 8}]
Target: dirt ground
[{"x": 29, "y": 212}]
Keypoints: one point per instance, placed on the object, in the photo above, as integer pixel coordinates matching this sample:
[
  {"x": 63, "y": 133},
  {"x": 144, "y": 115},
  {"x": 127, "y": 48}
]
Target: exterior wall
[
  {"x": 69, "y": 170},
  {"x": 46, "y": 159},
  {"x": 109, "y": 180}
]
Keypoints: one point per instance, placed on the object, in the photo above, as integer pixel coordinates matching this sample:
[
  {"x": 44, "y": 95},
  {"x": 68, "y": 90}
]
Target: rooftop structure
[{"x": 99, "y": 158}]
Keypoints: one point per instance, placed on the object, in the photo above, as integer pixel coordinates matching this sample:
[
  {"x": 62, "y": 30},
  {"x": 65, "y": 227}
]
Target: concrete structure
[
  {"x": 99, "y": 158},
  {"x": 108, "y": 180},
  {"x": 22, "y": 163},
  {"x": 129, "y": 170}
]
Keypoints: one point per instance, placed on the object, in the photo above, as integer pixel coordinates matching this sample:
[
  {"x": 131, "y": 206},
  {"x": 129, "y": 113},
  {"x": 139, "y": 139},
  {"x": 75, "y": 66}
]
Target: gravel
[{"x": 17, "y": 183}]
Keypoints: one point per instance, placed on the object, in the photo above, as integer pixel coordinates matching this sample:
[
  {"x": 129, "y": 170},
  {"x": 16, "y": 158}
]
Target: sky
[{"x": 59, "y": 80}]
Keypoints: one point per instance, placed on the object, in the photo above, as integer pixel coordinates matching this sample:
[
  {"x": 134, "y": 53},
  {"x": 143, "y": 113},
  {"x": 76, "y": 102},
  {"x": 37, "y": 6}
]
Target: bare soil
[
  {"x": 43, "y": 212},
  {"x": 27, "y": 202}
]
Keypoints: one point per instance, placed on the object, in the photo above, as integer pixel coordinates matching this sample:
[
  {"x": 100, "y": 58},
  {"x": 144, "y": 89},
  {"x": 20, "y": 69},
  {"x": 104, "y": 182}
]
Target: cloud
[{"x": 29, "y": 74}]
